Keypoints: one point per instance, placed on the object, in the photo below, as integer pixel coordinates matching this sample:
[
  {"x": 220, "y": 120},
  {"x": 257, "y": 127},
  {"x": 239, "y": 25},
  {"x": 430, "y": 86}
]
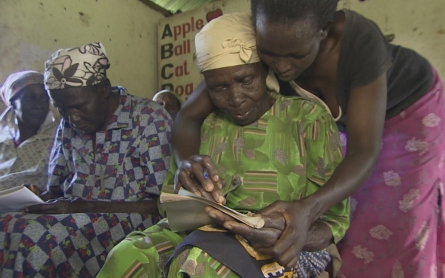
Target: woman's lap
[
  {"x": 145, "y": 254},
  {"x": 394, "y": 226},
  {"x": 61, "y": 245}
]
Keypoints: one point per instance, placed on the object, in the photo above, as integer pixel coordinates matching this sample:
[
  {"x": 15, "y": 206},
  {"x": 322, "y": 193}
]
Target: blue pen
[{"x": 205, "y": 174}]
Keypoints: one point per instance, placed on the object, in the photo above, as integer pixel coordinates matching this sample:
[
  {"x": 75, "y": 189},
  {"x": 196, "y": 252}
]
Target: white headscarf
[
  {"x": 16, "y": 81},
  {"x": 228, "y": 41},
  {"x": 13, "y": 84}
]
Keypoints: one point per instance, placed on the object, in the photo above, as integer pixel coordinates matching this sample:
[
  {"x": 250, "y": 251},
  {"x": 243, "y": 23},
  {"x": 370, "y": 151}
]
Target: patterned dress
[
  {"x": 26, "y": 163},
  {"x": 130, "y": 164},
  {"x": 398, "y": 216},
  {"x": 131, "y": 159},
  {"x": 289, "y": 153}
]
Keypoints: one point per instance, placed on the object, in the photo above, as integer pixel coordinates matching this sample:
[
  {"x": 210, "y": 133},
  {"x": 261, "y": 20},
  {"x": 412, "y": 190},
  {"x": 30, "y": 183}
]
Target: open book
[
  {"x": 186, "y": 212},
  {"x": 17, "y": 199}
]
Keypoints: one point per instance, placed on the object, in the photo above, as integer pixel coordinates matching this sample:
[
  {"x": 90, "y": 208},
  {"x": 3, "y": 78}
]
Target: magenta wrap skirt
[{"x": 397, "y": 225}]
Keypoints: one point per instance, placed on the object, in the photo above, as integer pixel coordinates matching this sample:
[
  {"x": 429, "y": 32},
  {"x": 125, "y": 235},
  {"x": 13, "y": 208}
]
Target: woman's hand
[
  {"x": 286, "y": 232},
  {"x": 58, "y": 206},
  {"x": 297, "y": 216},
  {"x": 266, "y": 237},
  {"x": 198, "y": 175}
]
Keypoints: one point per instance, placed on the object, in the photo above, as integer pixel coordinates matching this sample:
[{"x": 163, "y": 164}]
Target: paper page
[
  {"x": 188, "y": 210},
  {"x": 17, "y": 199}
]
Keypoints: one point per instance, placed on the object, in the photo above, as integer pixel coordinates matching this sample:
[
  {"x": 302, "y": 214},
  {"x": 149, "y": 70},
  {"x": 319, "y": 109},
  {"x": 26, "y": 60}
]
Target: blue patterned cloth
[
  {"x": 131, "y": 159},
  {"x": 62, "y": 245},
  {"x": 129, "y": 164}
]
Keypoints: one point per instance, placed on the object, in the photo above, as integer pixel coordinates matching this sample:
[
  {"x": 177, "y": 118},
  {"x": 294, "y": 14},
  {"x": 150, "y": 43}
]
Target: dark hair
[{"x": 288, "y": 11}]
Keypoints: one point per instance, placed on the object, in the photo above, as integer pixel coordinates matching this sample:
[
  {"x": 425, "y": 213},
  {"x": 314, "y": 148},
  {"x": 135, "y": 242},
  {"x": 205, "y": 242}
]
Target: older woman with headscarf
[
  {"x": 108, "y": 162},
  {"x": 27, "y": 128},
  {"x": 268, "y": 148}
]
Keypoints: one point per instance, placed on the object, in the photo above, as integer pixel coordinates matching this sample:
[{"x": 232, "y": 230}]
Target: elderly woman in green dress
[{"x": 269, "y": 149}]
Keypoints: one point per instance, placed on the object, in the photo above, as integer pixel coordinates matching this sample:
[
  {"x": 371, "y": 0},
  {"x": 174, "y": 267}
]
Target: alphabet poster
[{"x": 177, "y": 70}]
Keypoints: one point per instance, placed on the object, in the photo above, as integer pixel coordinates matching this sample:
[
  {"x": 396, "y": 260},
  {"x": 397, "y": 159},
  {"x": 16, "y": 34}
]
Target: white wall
[
  {"x": 419, "y": 25},
  {"x": 31, "y": 30}
]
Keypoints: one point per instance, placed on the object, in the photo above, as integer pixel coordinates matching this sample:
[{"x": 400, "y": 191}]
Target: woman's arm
[
  {"x": 187, "y": 125},
  {"x": 366, "y": 117},
  {"x": 186, "y": 138},
  {"x": 318, "y": 237}
]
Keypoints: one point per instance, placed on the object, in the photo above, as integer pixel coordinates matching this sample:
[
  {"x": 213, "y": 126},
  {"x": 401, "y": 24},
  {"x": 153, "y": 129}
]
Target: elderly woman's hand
[
  {"x": 284, "y": 234},
  {"x": 297, "y": 216},
  {"x": 198, "y": 174},
  {"x": 58, "y": 206},
  {"x": 263, "y": 238}
]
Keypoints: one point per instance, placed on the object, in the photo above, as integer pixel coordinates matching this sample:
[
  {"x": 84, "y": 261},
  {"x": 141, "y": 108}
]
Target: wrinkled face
[
  {"x": 86, "y": 108},
  {"x": 288, "y": 49},
  {"x": 31, "y": 106},
  {"x": 239, "y": 91},
  {"x": 169, "y": 102}
]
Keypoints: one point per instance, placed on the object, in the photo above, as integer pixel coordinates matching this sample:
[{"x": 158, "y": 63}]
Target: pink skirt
[{"x": 398, "y": 216}]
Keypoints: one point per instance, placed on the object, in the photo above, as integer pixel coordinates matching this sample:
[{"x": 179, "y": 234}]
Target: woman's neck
[
  {"x": 325, "y": 64},
  {"x": 24, "y": 133},
  {"x": 268, "y": 102}
]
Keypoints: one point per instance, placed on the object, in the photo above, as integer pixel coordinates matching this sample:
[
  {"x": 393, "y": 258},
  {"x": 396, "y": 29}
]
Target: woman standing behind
[
  {"x": 390, "y": 102},
  {"x": 27, "y": 129}
]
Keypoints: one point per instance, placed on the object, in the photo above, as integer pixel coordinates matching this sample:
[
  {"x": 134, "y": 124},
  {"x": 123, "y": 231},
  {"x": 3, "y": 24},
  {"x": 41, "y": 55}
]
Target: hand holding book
[
  {"x": 262, "y": 238},
  {"x": 186, "y": 211},
  {"x": 198, "y": 174}
]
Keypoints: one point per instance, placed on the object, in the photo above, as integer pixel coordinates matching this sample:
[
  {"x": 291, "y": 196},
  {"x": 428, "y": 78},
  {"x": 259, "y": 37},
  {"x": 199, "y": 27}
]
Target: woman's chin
[{"x": 245, "y": 120}]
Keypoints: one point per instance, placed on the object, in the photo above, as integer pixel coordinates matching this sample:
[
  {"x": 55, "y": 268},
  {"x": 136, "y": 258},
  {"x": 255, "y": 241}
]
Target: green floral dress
[{"x": 289, "y": 153}]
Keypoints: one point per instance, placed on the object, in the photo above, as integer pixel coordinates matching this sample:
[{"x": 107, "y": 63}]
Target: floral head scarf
[
  {"x": 76, "y": 67},
  {"x": 16, "y": 81},
  {"x": 228, "y": 41}
]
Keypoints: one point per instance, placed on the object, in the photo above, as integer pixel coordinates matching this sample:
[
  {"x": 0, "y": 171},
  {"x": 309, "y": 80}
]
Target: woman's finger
[
  {"x": 184, "y": 180},
  {"x": 219, "y": 217},
  {"x": 201, "y": 174},
  {"x": 218, "y": 196},
  {"x": 211, "y": 168}
]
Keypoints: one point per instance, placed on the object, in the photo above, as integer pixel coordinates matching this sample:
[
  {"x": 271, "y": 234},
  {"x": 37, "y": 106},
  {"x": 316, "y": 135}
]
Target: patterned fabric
[
  {"x": 131, "y": 159},
  {"x": 289, "y": 153},
  {"x": 130, "y": 163},
  {"x": 286, "y": 155},
  {"x": 156, "y": 244},
  {"x": 398, "y": 216},
  {"x": 62, "y": 245},
  {"x": 85, "y": 65},
  {"x": 28, "y": 162}
]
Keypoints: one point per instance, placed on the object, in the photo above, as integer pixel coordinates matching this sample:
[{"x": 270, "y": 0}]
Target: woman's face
[
  {"x": 86, "y": 108},
  {"x": 288, "y": 49},
  {"x": 169, "y": 102},
  {"x": 31, "y": 106},
  {"x": 239, "y": 91}
]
